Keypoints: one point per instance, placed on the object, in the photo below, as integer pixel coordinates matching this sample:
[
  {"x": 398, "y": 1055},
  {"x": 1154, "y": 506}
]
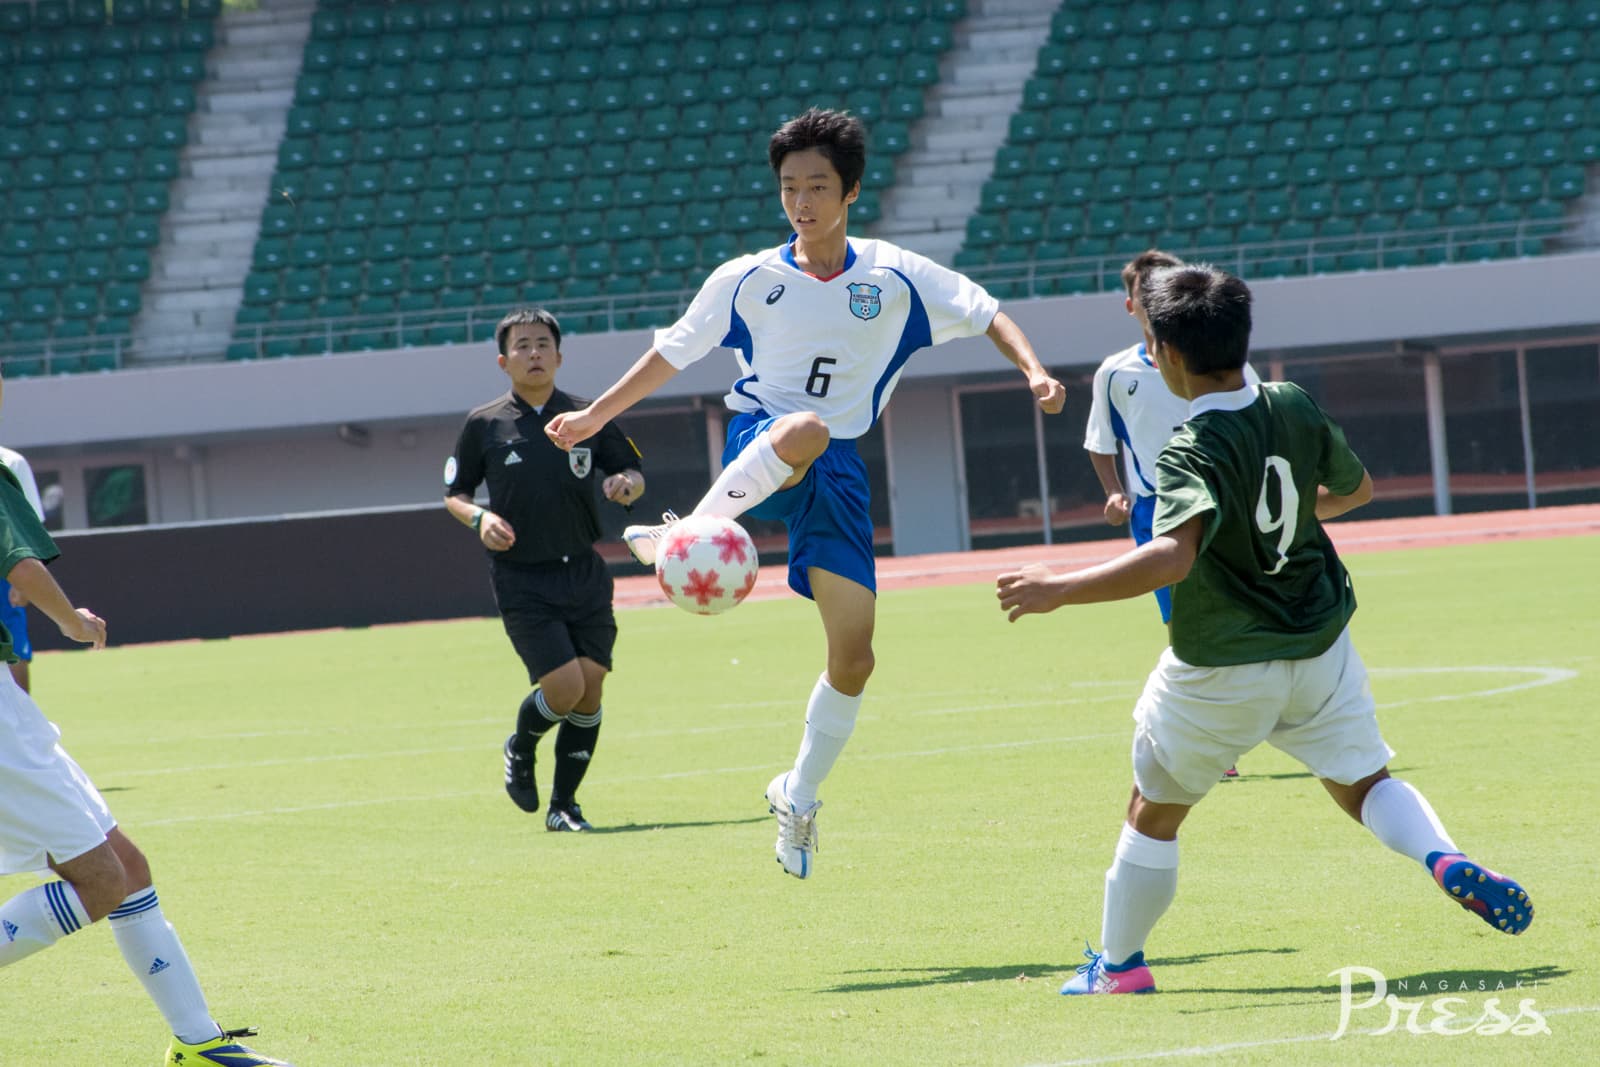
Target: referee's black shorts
[{"x": 555, "y": 612}]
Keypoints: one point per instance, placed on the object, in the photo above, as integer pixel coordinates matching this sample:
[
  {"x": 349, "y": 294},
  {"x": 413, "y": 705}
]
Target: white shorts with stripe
[
  {"x": 1193, "y": 723},
  {"x": 49, "y": 810}
]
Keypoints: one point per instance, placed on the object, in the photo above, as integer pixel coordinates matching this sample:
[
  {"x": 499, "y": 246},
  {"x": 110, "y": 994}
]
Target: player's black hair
[
  {"x": 1139, "y": 267},
  {"x": 838, "y": 135},
  {"x": 1203, "y": 312},
  {"x": 526, "y": 315}
]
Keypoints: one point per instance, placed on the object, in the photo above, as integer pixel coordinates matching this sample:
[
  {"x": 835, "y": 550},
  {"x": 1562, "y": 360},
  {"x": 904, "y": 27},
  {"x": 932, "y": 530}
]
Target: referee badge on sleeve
[
  {"x": 578, "y": 460},
  {"x": 450, "y": 471}
]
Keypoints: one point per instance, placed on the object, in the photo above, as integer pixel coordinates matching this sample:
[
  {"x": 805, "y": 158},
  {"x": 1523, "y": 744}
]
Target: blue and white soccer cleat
[
  {"x": 1095, "y": 977},
  {"x": 222, "y": 1051},
  {"x": 1494, "y": 898},
  {"x": 641, "y": 540},
  {"x": 797, "y": 829}
]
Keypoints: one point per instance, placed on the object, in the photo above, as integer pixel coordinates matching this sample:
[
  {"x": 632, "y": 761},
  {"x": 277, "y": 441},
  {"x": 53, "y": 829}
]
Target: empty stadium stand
[
  {"x": 442, "y": 157},
  {"x": 94, "y": 105},
  {"x": 1291, "y": 137}
]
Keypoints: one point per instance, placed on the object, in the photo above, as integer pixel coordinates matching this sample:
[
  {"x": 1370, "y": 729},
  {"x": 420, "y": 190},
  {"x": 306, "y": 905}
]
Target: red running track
[{"x": 1351, "y": 537}]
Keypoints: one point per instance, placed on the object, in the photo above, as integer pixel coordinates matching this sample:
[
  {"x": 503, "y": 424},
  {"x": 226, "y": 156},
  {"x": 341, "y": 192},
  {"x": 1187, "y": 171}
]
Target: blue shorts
[
  {"x": 828, "y": 514},
  {"x": 15, "y": 620},
  {"x": 1140, "y": 519}
]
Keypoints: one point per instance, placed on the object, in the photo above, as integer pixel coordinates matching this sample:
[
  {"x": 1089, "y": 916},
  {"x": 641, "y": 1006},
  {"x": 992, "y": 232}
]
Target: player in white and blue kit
[
  {"x": 822, "y": 327},
  {"x": 14, "y": 617},
  {"x": 1133, "y": 407}
]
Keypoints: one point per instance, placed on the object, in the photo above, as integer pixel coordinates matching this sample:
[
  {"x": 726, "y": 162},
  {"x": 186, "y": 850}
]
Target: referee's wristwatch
[{"x": 477, "y": 520}]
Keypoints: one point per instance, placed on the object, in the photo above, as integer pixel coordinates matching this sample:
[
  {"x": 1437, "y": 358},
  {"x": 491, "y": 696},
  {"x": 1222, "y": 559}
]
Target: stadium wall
[{"x": 233, "y": 440}]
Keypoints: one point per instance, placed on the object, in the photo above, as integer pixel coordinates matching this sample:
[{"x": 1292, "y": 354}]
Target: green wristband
[{"x": 477, "y": 519}]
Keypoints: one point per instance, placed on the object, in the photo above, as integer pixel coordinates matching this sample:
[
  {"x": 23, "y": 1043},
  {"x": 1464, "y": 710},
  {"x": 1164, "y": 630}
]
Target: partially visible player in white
[
  {"x": 52, "y": 818},
  {"x": 822, "y": 327},
  {"x": 13, "y": 614},
  {"x": 1133, "y": 408}
]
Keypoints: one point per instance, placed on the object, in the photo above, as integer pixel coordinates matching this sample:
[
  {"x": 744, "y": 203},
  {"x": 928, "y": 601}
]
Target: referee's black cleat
[
  {"x": 520, "y": 786},
  {"x": 566, "y": 818}
]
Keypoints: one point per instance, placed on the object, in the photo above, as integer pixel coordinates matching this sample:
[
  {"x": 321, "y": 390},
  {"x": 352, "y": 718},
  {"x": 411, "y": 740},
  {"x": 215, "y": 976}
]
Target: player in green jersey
[{"x": 1259, "y": 645}]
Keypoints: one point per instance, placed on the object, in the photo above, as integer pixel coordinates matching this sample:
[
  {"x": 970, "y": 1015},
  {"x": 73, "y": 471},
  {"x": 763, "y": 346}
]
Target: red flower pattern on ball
[{"x": 707, "y": 564}]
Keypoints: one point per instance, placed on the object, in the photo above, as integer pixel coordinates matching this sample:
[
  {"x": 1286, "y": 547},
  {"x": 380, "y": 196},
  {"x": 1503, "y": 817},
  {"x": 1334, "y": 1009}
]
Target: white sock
[
  {"x": 754, "y": 475},
  {"x": 38, "y": 918},
  {"x": 1401, "y": 818},
  {"x": 155, "y": 955},
  {"x": 1140, "y": 885},
  {"x": 830, "y": 718}
]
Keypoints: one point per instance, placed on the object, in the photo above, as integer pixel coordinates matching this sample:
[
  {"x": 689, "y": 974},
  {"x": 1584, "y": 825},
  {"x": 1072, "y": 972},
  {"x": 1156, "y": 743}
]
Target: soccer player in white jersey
[
  {"x": 52, "y": 818},
  {"x": 822, "y": 326},
  {"x": 1133, "y": 407},
  {"x": 1261, "y": 606}
]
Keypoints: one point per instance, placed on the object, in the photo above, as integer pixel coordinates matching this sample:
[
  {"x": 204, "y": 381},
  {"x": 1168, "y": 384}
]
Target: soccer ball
[{"x": 706, "y": 564}]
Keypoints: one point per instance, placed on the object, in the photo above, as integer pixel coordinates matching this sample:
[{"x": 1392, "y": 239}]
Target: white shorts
[
  {"x": 49, "y": 810},
  {"x": 1193, "y": 723}
]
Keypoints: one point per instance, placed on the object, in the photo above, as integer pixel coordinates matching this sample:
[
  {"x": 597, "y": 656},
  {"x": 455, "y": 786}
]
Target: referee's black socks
[
  {"x": 574, "y": 748},
  {"x": 534, "y": 720}
]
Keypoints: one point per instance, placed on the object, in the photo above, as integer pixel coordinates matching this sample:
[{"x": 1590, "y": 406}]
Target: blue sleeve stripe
[
  {"x": 738, "y": 336},
  {"x": 1120, "y": 428},
  {"x": 917, "y": 334}
]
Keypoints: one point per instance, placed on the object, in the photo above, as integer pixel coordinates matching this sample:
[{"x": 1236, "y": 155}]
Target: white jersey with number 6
[{"x": 834, "y": 346}]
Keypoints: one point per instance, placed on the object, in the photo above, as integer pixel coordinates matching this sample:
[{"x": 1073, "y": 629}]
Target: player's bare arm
[
  {"x": 1331, "y": 505},
  {"x": 1008, "y": 337},
  {"x": 1165, "y": 560},
  {"x": 494, "y": 532},
  {"x": 1117, "y": 503},
  {"x": 647, "y": 375},
  {"x": 624, "y": 487},
  {"x": 76, "y": 624}
]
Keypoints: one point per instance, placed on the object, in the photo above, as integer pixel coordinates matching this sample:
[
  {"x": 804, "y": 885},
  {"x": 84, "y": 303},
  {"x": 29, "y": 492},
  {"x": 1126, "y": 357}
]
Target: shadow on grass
[
  {"x": 925, "y": 976},
  {"x": 1424, "y": 985},
  {"x": 646, "y": 827},
  {"x": 911, "y": 977}
]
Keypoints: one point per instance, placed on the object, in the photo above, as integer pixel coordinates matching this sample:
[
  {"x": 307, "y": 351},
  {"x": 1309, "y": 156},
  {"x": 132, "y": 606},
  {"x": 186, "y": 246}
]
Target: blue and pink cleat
[
  {"x": 1492, "y": 897},
  {"x": 1097, "y": 976}
]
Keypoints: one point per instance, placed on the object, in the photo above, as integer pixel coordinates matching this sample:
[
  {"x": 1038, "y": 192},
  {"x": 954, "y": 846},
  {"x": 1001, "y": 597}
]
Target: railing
[{"x": 1083, "y": 274}]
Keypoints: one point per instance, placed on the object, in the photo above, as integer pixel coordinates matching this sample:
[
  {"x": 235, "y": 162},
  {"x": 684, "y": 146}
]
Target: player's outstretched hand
[
  {"x": 570, "y": 427},
  {"x": 1030, "y": 591},
  {"x": 86, "y": 628},
  {"x": 1117, "y": 509},
  {"x": 496, "y": 533},
  {"x": 1050, "y": 393}
]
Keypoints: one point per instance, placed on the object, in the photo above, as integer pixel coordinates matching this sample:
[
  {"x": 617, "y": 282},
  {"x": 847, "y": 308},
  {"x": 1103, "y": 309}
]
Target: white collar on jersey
[
  {"x": 788, "y": 257},
  {"x": 1236, "y": 400}
]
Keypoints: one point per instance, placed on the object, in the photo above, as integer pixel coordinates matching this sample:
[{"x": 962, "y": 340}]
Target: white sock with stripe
[
  {"x": 1140, "y": 885},
  {"x": 156, "y": 956},
  {"x": 37, "y": 918},
  {"x": 830, "y": 719},
  {"x": 754, "y": 475}
]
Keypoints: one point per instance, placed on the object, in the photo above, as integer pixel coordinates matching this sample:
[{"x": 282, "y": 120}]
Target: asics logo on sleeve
[{"x": 775, "y": 296}]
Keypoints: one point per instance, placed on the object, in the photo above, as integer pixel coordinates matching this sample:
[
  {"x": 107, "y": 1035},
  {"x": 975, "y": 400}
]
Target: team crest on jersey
[
  {"x": 864, "y": 302},
  {"x": 578, "y": 460}
]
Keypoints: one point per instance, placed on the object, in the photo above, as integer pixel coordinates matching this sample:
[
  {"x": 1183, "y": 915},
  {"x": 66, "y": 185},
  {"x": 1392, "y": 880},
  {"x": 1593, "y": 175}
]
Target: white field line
[
  {"x": 704, "y": 772},
  {"x": 1358, "y": 1053},
  {"x": 1544, "y": 676},
  {"x": 725, "y": 728}
]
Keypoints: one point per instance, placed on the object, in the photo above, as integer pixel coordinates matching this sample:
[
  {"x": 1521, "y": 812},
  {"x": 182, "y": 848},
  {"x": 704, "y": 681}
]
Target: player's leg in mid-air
[
  {"x": 1342, "y": 745},
  {"x": 773, "y": 455}
]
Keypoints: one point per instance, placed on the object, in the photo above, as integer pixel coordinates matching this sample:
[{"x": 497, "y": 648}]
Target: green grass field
[{"x": 325, "y": 818}]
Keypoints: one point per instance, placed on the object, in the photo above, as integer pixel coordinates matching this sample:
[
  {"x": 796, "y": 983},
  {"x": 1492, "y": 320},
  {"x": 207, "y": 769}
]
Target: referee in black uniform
[{"x": 552, "y": 587}]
